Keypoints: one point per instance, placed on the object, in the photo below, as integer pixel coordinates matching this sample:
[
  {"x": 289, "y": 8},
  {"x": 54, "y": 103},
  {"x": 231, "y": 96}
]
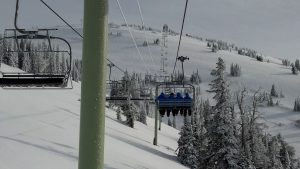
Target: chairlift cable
[
  {"x": 69, "y": 25},
  {"x": 143, "y": 28},
  {"x": 130, "y": 32},
  {"x": 179, "y": 43},
  {"x": 61, "y": 18}
]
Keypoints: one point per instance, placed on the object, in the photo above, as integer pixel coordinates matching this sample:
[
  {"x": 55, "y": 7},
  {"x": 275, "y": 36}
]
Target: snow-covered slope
[
  {"x": 39, "y": 129},
  {"x": 270, "y": 26},
  {"x": 255, "y": 75}
]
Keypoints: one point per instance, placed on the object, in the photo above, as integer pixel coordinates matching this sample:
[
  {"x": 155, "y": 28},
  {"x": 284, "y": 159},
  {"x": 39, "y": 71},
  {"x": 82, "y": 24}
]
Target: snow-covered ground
[
  {"x": 255, "y": 75},
  {"x": 39, "y": 128}
]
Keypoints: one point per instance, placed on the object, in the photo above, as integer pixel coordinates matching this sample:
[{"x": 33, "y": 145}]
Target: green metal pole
[
  {"x": 92, "y": 113},
  {"x": 156, "y": 119},
  {"x": 160, "y": 119}
]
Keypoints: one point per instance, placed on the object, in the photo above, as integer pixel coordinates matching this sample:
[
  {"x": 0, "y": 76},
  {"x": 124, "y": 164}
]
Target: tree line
[{"x": 220, "y": 137}]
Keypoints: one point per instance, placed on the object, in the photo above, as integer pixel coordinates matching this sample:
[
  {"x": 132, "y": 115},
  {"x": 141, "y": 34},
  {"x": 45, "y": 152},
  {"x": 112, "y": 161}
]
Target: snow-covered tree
[
  {"x": 297, "y": 64},
  {"x": 294, "y": 69},
  {"x": 274, "y": 154},
  {"x": 119, "y": 111},
  {"x": 195, "y": 78},
  {"x": 63, "y": 63},
  {"x": 223, "y": 148},
  {"x": 270, "y": 101},
  {"x": 174, "y": 122},
  {"x": 286, "y": 153},
  {"x": 273, "y": 92},
  {"x": 130, "y": 113},
  {"x": 143, "y": 115},
  {"x": 169, "y": 122},
  {"x": 286, "y": 62},
  {"x": 57, "y": 61},
  {"x": 187, "y": 154},
  {"x": 235, "y": 70},
  {"x": 297, "y": 104}
]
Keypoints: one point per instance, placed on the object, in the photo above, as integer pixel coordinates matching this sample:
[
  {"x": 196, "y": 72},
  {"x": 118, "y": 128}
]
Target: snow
[
  {"x": 39, "y": 128},
  {"x": 255, "y": 75}
]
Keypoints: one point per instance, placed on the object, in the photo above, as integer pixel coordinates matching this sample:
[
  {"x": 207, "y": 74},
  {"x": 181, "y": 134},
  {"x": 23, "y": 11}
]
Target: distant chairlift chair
[{"x": 16, "y": 38}]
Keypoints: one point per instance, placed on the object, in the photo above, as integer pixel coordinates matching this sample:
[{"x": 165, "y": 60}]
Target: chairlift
[
  {"x": 175, "y": 103},
  {"x": 115, "y": 94},
  {"x": 16, "y": 50}
]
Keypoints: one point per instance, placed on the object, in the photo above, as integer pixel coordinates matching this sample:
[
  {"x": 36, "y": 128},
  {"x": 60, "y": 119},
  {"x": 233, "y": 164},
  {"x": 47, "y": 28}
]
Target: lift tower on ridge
[{"x": 164, "y": 54}]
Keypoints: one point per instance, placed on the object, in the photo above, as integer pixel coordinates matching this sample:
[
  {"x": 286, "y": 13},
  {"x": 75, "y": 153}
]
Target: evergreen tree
[
  {"x": 294, "y": 69},
  {"x": 195, "y": 78},
  {"x": 223, "y": 149},
  {"x": 235, "y": 70},
  {"x": 297, "y": 104},
  {"x": 258, "y": 149},
  {"x": 13, "y": 58},
  {"x": 286, "y": 62},
  {"x": 57, "y": 61},
  {"x": 273, "y": 91},
  {"x": 129, "y": 112},
  {"x": 297, "y": 64},
  {"x": 284, "y": 154},
  {"x": 169, "y": 122},
  {"x": 174, "y": 122},
  {"x": 63, "y": 63},
  {"x": 274, "y": 154},
  {"x": 143, "y": 116},
  {"x": 270, "y": 101},
  {"x": 119, "y": 114},
  {"x": 51, "y": 65},
  {"x": 186, "y": 151}
]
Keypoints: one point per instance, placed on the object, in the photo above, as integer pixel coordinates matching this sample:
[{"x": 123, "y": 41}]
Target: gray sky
[{"x": 269, "y": 26}]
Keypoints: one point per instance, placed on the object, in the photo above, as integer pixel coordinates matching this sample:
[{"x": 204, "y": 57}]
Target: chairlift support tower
[{"x": 164, "y": 53}]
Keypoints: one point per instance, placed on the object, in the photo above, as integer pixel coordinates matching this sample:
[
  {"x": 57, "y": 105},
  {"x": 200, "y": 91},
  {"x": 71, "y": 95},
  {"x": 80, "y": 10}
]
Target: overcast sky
[{"x": 269, "y": 26}]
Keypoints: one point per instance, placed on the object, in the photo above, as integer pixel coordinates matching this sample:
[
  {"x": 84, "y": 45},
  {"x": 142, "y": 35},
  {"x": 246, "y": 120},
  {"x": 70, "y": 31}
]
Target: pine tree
[
  {"x": 143, "y": 116},
  {"x": 297, "y": 64},
  {"x": 63, "y": 64},
  {"x": 270, "y": 101},
  {"x": 294, "y": 69},
  {"x": 258, "y": 149},
  {"x": 274, "y": 154},
  {"x": 223, "y": 149},
  {"x": 129, "y": 112},
  {"x": 13, "y": 58},
  {"x": 297, "y": 104},
  {"x": 186, "y": 151},
  {"x": 195, "y": 78},
  {"x": 235, "y": 70},
  {"x": 273, "y": 91},
  {"x": 174, "y": 122},
  {"x": 169, "y": 122},
  {"x": 119, "y": 114},
  {"x": 51, "y": 65},
  {"x": 57, "y": 61}
]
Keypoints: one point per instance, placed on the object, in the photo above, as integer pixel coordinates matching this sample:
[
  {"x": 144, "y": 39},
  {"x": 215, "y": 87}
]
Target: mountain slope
[{"x": 39, "y": 129}]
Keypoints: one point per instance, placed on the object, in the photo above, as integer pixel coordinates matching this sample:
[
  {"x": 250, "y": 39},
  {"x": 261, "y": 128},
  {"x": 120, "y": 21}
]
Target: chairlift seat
[
  {"x": 165, "y": 101},
  {"x": 36, "y": 80}
]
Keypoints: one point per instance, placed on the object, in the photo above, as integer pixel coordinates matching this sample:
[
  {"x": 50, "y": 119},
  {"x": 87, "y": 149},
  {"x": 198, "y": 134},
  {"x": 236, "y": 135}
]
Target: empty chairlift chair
[{"x": 20, "y": 48}]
